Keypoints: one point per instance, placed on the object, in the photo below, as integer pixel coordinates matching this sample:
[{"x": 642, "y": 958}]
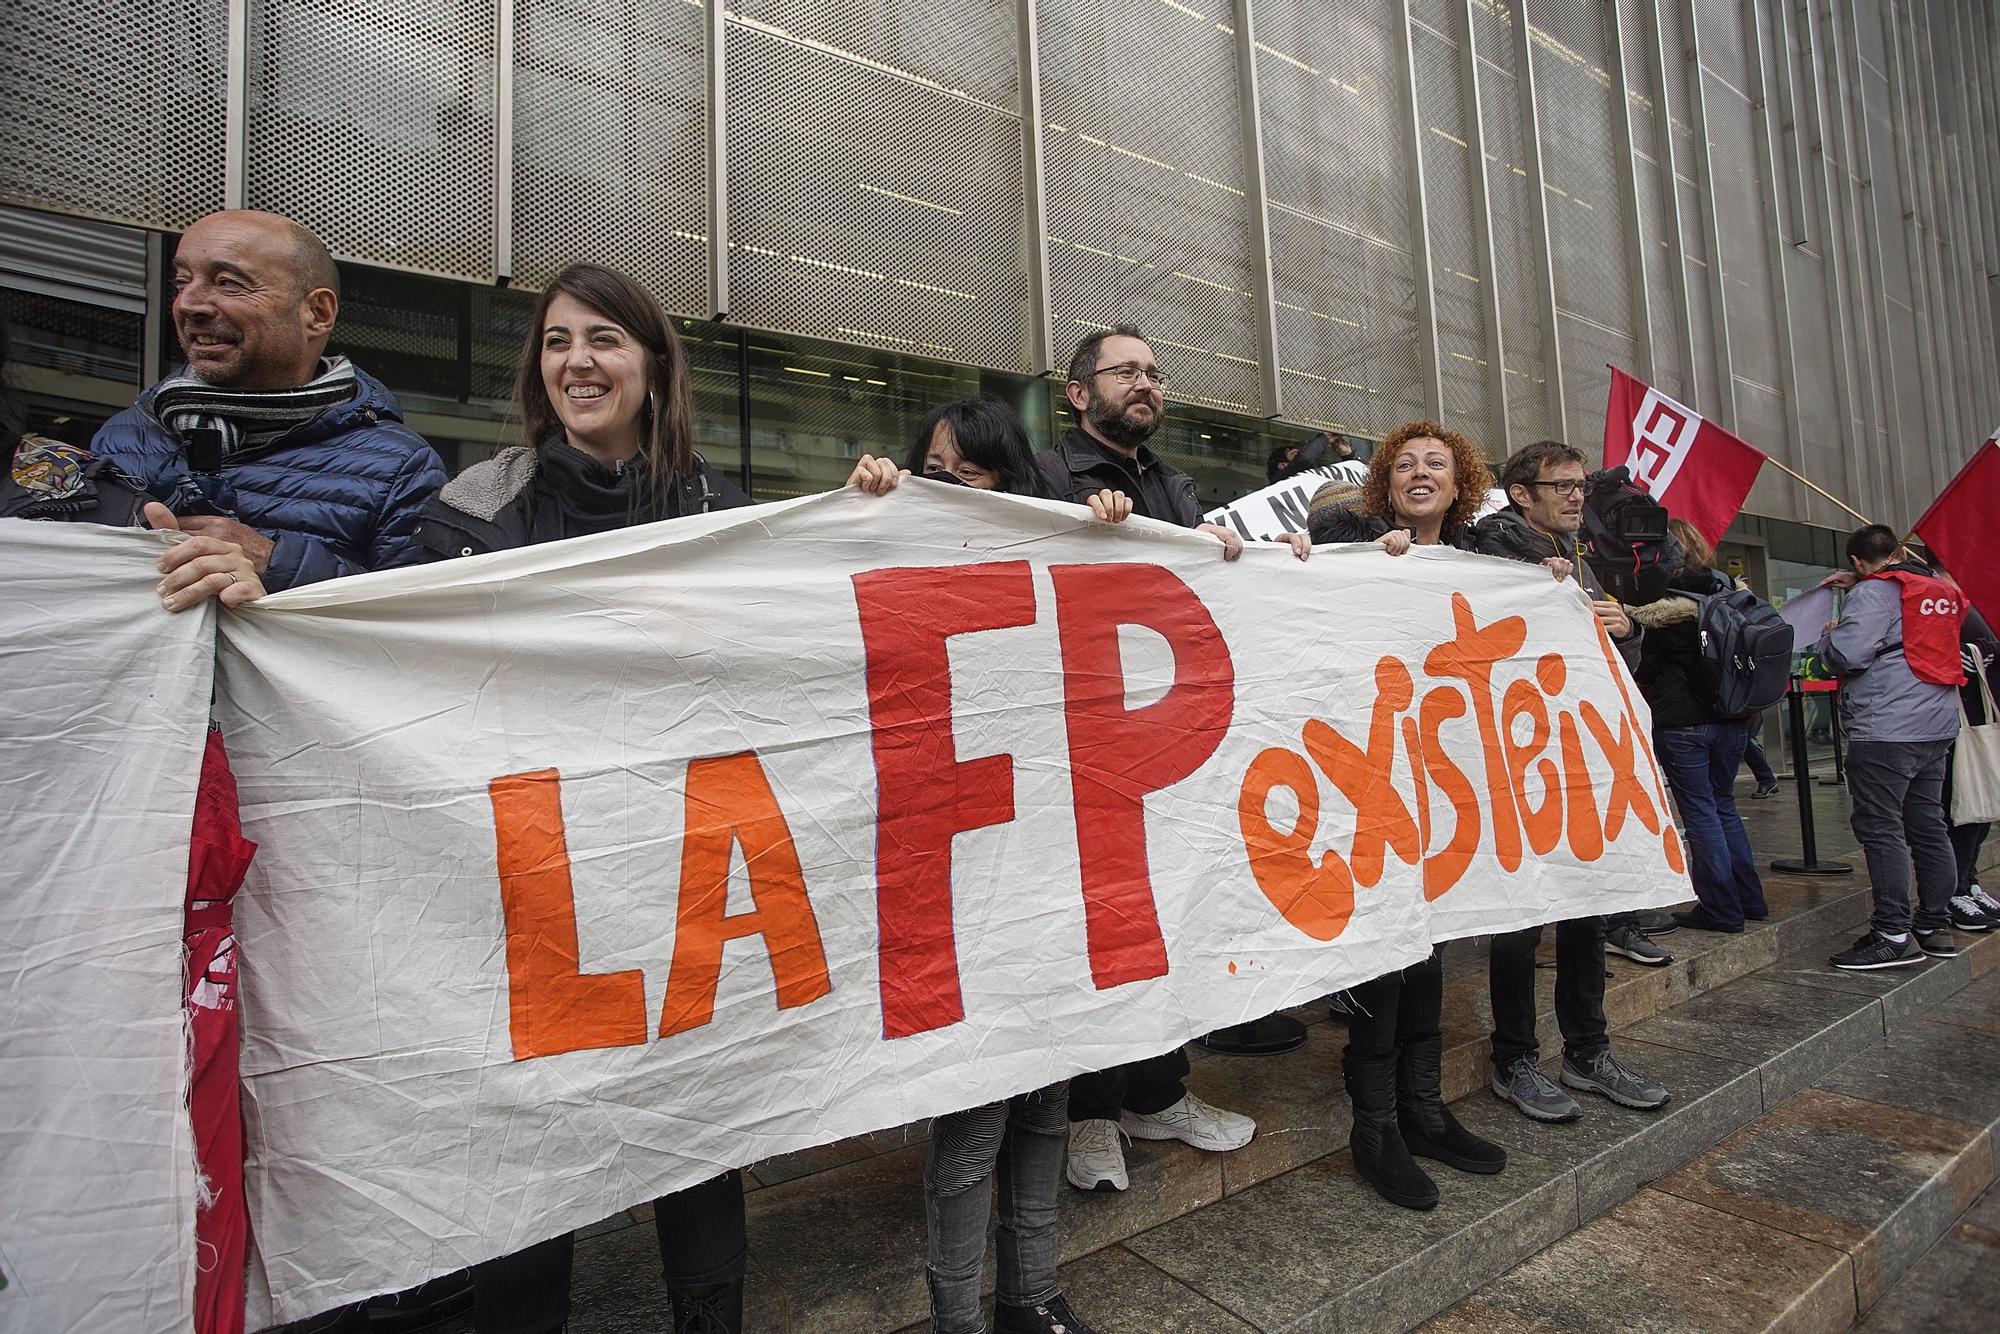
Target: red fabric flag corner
[
  {"x": 1699, "y": 471},
  {"x": 1959, "y": 529}
]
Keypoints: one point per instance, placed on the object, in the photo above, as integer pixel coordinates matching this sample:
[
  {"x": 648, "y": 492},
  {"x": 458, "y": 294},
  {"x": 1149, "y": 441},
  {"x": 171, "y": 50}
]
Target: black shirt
[{"x": 1080, "y": 466}]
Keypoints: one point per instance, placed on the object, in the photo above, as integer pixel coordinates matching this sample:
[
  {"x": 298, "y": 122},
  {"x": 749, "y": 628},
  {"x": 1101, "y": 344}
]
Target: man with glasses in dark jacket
[
  {"x": 1114, "y": 392},
  {"x": 1545, "y": 489}
]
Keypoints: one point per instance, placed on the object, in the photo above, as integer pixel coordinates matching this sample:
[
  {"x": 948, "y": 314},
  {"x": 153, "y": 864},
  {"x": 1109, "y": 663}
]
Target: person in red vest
[{"x": 1895, "y": 650}]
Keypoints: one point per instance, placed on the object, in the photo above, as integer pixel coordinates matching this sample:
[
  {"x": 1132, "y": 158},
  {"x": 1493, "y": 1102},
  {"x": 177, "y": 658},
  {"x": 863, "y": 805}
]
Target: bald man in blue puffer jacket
[{"x": 301, "y": 459}]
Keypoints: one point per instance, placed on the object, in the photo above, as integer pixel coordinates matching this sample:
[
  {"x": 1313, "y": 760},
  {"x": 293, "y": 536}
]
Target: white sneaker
[
  {"x": 1193, "y": 1121},
  {"x": 1096, "y": 1160},
  {"x": 1987, "y": 903}
]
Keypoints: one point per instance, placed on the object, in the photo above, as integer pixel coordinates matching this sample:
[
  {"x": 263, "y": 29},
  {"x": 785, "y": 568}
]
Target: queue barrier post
[{"x": 1809, "y": 864}]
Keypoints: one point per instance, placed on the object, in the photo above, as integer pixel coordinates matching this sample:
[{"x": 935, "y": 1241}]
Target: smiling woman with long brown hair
[{"x": 603, "y": 392}]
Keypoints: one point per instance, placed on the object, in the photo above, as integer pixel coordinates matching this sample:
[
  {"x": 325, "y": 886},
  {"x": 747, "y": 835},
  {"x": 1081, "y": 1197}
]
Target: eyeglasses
[
  {"x": 1565, "y": 487},
  {"x": 1128, "y": 373}
]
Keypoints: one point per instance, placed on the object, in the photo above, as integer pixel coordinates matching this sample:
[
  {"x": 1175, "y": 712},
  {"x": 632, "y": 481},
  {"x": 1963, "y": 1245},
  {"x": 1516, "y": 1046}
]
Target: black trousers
[
  {"x": 1395, "y": 1008},
  {"x": 702, "y": 1240},
  {"x": 1510, "y": 981},
  {"x": 1142, "y": 1087}
]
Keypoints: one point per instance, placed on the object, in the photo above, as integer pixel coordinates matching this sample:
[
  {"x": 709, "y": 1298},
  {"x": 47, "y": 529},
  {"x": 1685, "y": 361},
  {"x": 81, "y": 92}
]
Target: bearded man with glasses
[
  {"x": 1545, "y": 488},
  {"x": 1115, "y": 394}
]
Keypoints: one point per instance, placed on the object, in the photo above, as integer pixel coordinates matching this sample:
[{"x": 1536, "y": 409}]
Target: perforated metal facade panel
[
  {"x": 878, "y": 191},
  {"x": 871, "y": 207},
  {"x": 610, "y": 123},
  {"x": 1457, "y": 269},
  {"x": 1148, "y": 220},
  {"x": 1344, "y": 280},
  {"x": 374, "y": 126},
  {"x": 1511, "y": 196},
  {"x": 89, "y": 84}
]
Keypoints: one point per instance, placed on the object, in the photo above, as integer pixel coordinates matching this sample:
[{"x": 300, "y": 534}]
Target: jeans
[
  {"x": 1701, "y": 764},
  {"x": 1759, "y": 762},
  {"x": 1897, "y": 790},
  {"x": 1396, "y": 1008},
  {"x": 1024, "y": 1139},
  {"x": 1510, "y": 981},
  {"x": 1142, "y": 1087},
  {"x": 702, "y": 1241}
]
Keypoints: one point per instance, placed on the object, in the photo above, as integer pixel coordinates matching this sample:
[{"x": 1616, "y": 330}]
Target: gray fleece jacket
[{"x": 1881, "y": 699}]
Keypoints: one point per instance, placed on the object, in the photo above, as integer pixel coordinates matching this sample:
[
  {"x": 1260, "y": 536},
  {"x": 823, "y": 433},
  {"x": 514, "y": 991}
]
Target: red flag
[
  {"x": 1959, "y": 529},
  {"x": 1699, "y": 471}
]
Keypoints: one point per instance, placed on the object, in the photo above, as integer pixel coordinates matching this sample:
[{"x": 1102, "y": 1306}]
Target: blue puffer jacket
[{"x": 341, "y": 494}]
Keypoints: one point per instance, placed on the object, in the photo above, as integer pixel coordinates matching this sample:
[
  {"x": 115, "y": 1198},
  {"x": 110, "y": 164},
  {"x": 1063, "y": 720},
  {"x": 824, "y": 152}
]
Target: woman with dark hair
[
  {"x": 603, "y": 391},
  {"x": 1423, "y": 488},
  {"x": 1699, "y": 748},
  {"x": 609, "y": 419},
  {"x": 979, "y": 442}
]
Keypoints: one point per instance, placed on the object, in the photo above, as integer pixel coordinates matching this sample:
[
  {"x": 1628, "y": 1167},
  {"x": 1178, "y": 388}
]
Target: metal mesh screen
[
  {"x": 1148, "y": 222},
  {"x": 1457, "y": 291},
  {"x": 87, "y": 84},
  {"x": 871, "y": 208},
  {"x": 1345, "y": 283},
  {"x": 1741, "y": 200},
  {"x": 1569, "y": 44},
  {"x": 960, "y": 46},
  {"x": 1510, "y": 198},
  {"x": 374, "y": 126},
  {"x": 609, "y": 124}
]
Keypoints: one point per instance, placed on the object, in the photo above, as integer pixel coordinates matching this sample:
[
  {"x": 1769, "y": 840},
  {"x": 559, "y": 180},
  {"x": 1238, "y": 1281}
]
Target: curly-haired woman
[{"x": 1423, "y": 488}]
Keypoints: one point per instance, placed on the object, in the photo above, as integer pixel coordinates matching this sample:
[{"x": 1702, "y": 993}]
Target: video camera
[{"x": 1629, "y": 548}]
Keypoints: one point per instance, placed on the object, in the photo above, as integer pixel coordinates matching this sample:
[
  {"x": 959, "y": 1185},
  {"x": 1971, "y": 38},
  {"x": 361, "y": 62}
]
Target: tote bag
[{"x": 1975, "y": 763}]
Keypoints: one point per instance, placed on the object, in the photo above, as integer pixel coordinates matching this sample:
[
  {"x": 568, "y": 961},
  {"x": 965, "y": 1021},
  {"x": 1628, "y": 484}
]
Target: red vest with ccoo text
[{"x": 1933, "y": 613}]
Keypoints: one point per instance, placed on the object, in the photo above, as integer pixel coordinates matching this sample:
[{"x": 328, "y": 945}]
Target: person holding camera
[{"x": 1546, "y": 488}]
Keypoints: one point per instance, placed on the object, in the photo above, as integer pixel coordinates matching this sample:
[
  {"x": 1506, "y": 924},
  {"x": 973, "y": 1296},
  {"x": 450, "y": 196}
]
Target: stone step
[{"x": 1805, "y": 1217}]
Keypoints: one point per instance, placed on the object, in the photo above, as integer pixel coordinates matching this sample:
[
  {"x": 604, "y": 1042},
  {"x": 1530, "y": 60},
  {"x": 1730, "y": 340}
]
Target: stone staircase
[{"x": 1826, "y": 1129}]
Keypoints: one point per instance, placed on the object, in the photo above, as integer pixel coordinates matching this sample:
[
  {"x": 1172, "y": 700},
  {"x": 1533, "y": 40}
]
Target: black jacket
[
  {"x": 1344, "y": 523},
  {"x": 1508, "y": 533},
  {"x": 1078, "y": 467},
  {"x": 1672, "y": 650},
  {"x": 490, "y": 506}
]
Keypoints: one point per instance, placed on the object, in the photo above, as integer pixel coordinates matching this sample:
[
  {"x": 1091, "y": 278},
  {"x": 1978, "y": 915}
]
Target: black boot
[
  {"x": 1429, "y": 1129},
  {"x": 708, "y": 1308},
  {"x": 1380, "y": 1155},
  {"x": 1050, "y": 1317}
]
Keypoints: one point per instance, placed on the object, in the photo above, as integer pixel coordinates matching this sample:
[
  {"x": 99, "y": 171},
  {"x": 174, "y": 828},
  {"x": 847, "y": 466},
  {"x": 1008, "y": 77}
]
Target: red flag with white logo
[
  {"x": 1961, "y": 532},
  {"x": 1699, "y": 471}
]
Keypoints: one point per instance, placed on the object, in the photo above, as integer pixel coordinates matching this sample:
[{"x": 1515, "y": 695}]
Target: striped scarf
[{"x": 241, "y": 417}]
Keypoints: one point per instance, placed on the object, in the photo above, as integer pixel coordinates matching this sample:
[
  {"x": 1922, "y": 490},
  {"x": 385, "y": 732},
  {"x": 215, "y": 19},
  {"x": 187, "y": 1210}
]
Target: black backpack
[{"x": 1744, "y": 648}]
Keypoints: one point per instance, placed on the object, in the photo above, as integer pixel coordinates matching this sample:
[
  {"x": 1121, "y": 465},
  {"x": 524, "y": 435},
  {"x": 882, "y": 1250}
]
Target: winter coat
[
  {"x": 1670, "y": 657},
  {"x": 338, "y": 495},
  {"x": 1078, "y": 467},
  {"x": 1508, "y": 533},
  {"x": 490, "y": 506},
  {"x": 1881, "y": 699},
  {"x": 1345, "y": 523}
]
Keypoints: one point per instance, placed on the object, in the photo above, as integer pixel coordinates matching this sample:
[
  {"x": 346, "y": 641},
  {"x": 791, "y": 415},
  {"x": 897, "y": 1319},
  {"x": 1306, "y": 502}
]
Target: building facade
[{"x": 1326, "y": 214}]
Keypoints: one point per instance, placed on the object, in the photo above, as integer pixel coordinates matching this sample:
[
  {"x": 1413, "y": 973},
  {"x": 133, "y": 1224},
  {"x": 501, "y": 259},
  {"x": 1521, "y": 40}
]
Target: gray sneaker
[
  {"x": 1522, "y": 1084},
  {"x": 1604, "y": 1073},
  {"x": 1637, "y": 946}
]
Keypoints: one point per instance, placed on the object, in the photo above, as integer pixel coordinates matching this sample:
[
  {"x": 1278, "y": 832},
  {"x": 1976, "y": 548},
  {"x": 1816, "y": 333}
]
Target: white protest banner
[
  {"x": 592, "y": 869},
  {"x": 106, "y": 714},
  {"x": 1283, "y": 507}
]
